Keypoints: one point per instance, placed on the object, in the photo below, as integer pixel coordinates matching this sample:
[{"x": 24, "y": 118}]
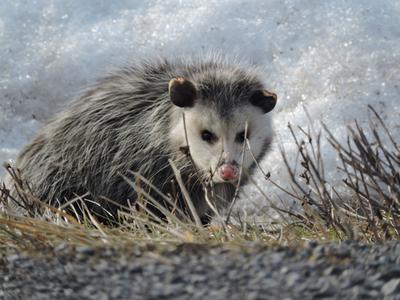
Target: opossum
[{"x": 193, "y": 113}]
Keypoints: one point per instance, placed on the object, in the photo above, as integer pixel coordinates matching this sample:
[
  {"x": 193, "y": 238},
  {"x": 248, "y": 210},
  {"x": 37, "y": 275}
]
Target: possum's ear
[
  {"x": 182, "y": 92},
  {"x": 264, "y": 99}
]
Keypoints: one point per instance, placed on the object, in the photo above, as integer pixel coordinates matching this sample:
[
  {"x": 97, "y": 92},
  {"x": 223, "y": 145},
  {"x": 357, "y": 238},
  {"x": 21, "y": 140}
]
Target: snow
[{"x": 333, "y": 57}]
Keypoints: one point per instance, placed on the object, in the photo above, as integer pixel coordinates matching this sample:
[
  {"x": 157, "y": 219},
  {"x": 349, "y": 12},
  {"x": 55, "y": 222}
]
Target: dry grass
[
  {"x": 368, "y": 204},
  {"x": 366, "y": 208}
]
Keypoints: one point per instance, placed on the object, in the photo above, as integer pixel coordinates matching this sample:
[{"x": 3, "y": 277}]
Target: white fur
[{"x": 207, "y": 157}]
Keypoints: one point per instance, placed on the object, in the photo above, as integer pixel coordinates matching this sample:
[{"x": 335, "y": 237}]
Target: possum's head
[{"x": 220, "y": 113}]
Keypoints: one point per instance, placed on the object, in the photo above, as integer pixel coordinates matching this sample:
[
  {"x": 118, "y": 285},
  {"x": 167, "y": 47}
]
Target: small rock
[
  {"x": 391, "y": 287},
  {"x": 13, "y": 257},
  {"x": 284, "y": 270},
  {"x": 375, "y": 284},
  {"x": 292, "y": 279},
  {"x": 333, "y": 270},
  {"x": 311, "y": 244},
  {"x": 391, "y": 274},
  {"x": 326, "y": 290},
  {"x": 383, "y": 260},
  {"x": 86, "y": 250},
  {"x": 61, "y": 247},
  {"x": 319, "y": 250}
]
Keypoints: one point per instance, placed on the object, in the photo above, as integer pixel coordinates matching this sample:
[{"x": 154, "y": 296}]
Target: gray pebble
[
  {"x": 86, "y": 250},
  {"x": 292, "y": 279},
  {"x": 391, "y": 274},
  {"x": 391, "y": 287}
]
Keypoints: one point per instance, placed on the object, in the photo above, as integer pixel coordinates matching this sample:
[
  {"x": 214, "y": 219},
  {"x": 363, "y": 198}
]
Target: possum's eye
[
  {"x": 208, "y": 136},
  {"x": 240, "y": 137}
]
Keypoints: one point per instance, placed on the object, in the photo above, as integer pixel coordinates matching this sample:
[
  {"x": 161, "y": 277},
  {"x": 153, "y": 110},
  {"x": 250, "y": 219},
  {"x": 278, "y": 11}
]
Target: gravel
[{"x": 348, "y": 270}]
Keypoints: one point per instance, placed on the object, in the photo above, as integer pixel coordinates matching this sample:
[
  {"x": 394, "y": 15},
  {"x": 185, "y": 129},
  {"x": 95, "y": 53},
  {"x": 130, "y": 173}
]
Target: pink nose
[{"x": 228, "y": 172}]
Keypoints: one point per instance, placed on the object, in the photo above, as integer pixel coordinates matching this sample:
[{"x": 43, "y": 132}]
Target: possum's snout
[{"x": 228, "y": 172}]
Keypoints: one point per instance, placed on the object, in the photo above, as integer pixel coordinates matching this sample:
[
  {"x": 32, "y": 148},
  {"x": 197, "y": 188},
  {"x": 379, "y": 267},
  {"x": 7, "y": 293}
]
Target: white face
[{"x": 216, "y": 147}]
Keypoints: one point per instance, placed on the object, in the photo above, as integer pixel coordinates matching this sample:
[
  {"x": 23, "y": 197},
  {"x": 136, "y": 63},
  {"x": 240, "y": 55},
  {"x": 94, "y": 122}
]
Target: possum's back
[{"x": 117, "y": 125}]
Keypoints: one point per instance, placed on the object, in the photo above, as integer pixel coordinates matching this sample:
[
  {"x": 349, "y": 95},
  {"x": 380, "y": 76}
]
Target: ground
[{"x": 193, "y": 271}]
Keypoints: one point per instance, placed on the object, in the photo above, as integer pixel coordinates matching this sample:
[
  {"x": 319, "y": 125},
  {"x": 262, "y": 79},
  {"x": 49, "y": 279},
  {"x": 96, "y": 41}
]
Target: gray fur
[{"x": 120, "y": 124}]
